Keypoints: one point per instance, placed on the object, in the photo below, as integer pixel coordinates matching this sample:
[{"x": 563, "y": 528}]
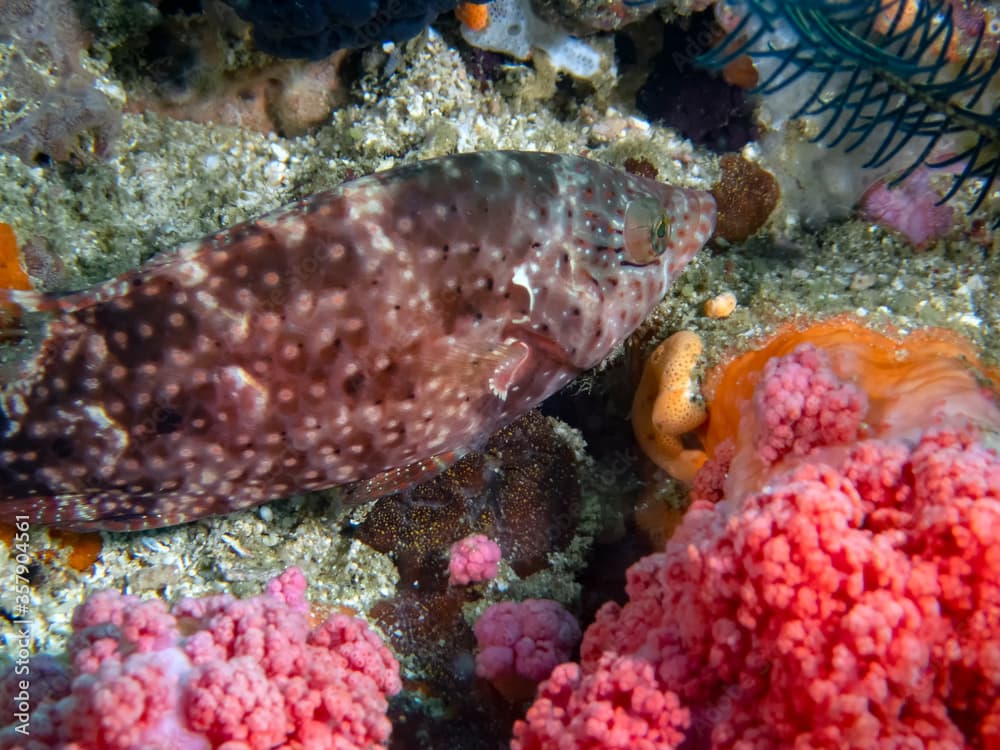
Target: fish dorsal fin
[{"x": 396, "y": 480}]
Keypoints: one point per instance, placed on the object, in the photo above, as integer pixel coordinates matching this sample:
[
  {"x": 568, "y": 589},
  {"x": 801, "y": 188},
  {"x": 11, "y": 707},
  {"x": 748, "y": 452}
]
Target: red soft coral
[
  {"x": 619, "y": 705},
  {"x": 853, "y": 605},
  {"x": 251, "y": 675}
]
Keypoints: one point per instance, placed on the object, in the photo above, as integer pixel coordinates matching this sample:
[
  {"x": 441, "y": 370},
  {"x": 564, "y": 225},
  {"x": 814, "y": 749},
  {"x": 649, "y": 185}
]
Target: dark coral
[
  {"x": 582, "y": 17},
  {"x": 698, "y": 103},
  {"x": 521, "y": 490},
  {"x": 641, "y": 167},
  {"x": 52, "y": 109},
  {"x": 318, "y": 27},
  {"x": 430, "y": 628}
]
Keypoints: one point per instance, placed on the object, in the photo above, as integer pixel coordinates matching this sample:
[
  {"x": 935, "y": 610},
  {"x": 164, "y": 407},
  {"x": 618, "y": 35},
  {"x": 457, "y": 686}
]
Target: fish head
[{"x": 628, "y": 241}]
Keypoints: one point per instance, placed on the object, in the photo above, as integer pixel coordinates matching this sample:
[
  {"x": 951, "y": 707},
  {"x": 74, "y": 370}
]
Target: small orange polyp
[
  {"x": 473, "y": 15},
  {"x": 721, "y": 305}
]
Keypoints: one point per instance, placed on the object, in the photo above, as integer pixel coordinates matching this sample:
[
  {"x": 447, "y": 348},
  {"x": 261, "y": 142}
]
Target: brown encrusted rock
[
  {"x": 54, "y": 107},
  {"x": 522, "y": 490},
  {"x": 641, "y": 167},
  {"x": 746, "y": 195}
]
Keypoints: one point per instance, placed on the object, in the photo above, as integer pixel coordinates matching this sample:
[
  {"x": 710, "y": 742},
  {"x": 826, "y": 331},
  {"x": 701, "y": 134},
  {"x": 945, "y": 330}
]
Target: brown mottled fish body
[{"x": 367, "y": 333}]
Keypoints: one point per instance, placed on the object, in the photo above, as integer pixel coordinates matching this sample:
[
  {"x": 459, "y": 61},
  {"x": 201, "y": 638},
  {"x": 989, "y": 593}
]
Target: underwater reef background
[{"x": 769, "y": 517}]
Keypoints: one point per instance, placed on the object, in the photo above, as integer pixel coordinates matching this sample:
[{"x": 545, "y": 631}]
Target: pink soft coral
[
  {"x": 822, "y": 612},
  {"x": 215, "y": 672},
  {"x": 802, "y": 403},
  {"x": 618, "y": 705},
  {"x": 911, "y": 208},
  {"x": 473, "y": 559},
  {"x": 847, "y": 597},
  {"x": 520, "y": 642}
]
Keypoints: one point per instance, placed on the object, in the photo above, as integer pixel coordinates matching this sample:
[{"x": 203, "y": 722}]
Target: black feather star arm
[{"x": 901, "y": 78}]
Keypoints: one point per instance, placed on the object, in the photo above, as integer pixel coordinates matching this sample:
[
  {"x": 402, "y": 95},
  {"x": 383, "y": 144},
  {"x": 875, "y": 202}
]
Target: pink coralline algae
[
  {"x": 473, "y": 559},
  {"x": 367, "y": 335},
  {"x": 520, "y": 642},
  {"x": 910, "y": 208},
  {"x": 851, "y": 600},
  {"x": 215, "y": 672}
]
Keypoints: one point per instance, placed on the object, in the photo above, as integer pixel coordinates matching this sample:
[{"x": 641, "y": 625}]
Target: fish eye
[{"x": 647, "y": 230}]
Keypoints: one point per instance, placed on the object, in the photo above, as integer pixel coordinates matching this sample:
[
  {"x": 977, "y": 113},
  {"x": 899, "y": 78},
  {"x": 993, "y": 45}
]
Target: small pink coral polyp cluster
[
  {"x": 848, "y": 596},
  {"x": 473, "y": 559},
  {"x": 801, "y": 404},
  {"x": 520, "y": 642},
  {"x": 215, "y": 672}
]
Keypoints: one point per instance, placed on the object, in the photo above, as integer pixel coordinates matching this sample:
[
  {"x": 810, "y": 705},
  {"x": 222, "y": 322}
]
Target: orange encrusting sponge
[
  {"x": 905, "y": 377},
  {"x": 665, "y": 406},
  {"x": 474, "y": 15},
  {"x": 84, "y": 549},
  {"x": 12, "y": 275}
]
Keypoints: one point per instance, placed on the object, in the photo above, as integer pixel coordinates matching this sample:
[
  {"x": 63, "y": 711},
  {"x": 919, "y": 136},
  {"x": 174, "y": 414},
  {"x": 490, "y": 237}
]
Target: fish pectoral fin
[
  {"x": 509, "y": 367},
  {"x": 498, "y": 367},
  {"x": 514, "y": 360},
  {"x": 396, "y": 480},
  {"x": 521, "y": 353}
]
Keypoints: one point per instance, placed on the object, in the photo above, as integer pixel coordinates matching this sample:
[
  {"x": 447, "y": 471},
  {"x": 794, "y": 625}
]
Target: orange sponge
[
  {"x": 474, "y": 15},
  {"x": 12, "y": 275},
  {"x": 665, "y": 407}
]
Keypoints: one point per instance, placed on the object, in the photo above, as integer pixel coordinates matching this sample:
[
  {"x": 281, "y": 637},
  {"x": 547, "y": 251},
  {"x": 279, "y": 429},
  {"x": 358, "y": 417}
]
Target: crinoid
[{"x": 909, "y": 81}]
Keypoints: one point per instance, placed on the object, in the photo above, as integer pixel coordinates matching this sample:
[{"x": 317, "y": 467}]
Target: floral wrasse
[{"x": 366, "y": 335}]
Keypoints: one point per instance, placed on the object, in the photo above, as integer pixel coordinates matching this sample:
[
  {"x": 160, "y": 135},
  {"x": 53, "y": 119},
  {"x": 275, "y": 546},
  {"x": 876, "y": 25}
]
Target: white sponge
[{"x": 515, "y": 30}]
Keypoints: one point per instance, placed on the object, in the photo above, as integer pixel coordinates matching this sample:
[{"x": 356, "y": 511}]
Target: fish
[{"x": 364, "y": 337}]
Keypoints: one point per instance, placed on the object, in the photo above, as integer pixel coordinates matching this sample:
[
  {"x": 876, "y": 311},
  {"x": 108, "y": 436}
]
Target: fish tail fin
[
  {"x": 14, "y": 302},
  {"x": 30, "y": 301},
  {"x": 24, "y": 324},
  {"x": 18, "y": 307}
]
